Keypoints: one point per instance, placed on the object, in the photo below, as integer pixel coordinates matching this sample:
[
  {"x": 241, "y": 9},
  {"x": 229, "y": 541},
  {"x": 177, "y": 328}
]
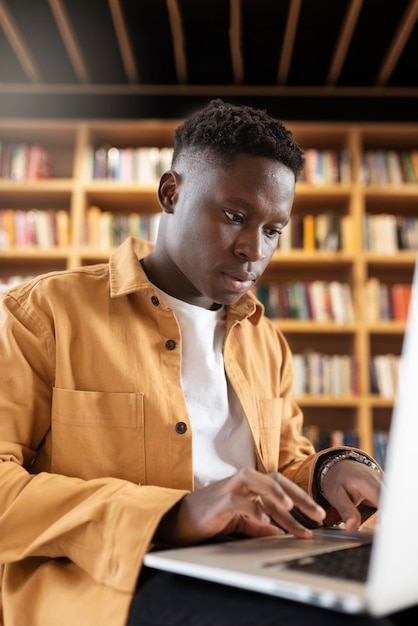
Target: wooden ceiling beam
[
  {"x": 179, "y": 49},
  {"x": 18, "y": 44},
  {"x": 398, "y": 43},
  {"x": 70, "y": 40},
  {"x": 235, "y": 38},
  {"x": 124, "y": 42},
  {"x": 344, "y": 40},
  {"x": 288, "y": 41}
]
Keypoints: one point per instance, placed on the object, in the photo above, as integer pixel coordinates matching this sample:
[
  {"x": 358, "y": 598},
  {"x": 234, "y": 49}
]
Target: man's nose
[{"x": 250, "y": 246}]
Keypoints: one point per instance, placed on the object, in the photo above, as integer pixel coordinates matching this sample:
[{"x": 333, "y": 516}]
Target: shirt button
[
  {"x": 155, "y": 300},
  {"x": 170, "y": 344},
  {"x": 181, "y": 428}
]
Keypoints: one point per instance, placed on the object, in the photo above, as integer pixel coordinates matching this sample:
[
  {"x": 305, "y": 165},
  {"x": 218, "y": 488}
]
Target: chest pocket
[{"x": 97, "y": 434}]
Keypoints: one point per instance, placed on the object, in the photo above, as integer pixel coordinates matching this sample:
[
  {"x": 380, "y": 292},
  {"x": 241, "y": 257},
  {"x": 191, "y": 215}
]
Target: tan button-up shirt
[{"x": 95, "y": 438}]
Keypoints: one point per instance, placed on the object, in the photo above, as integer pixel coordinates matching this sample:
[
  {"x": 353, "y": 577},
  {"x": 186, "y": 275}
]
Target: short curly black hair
[{"x": 227, "y": 130}]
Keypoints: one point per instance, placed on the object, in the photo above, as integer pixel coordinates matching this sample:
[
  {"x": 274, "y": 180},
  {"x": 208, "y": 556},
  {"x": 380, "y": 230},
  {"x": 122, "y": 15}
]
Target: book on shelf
[
  {"x": 323, "y": 438},
  {"x": 388, "y": 167},
  {"x": 63, "y": 229},
  {"x": 21, "y": 161},
  {"x": 407, "y": 232},
  {"x": 341, "y": 303},
  {"x": 325, "y": 231},
  {"x": 327, "y": 167},
  {"x": 99, "y": 162},
  {"x": 120, "y": 228},
  {"x": 126, "y": 165},
  {"x": 387, "y": 234},
  {"x": 309, "y": 232},
  {"x": 300, "y": 378},
  {"x": 113, "y": 164},
  {"x": 7, "y": 228},
  {"x": 40, "y": 164},
  {"x": 373, "y": 300},
  {"x": 30, "y": 228},
  {"x": 143, "y": 165},
  {"x": 320, "y": 301},
  {"x": 298, "y": 301},
  {"x": 414, "y": 159},
  {"x": 104, "y": 229},
  {"x": 320, "y": 374},
  {"x": 384, "y": 302},
  {"x": 409, "y": 174},
  {"x": 22, "y": 235},
  {"x": 328, "y": 233},
  {"x": 401, "y": 296},
  {"x": 314, "y": 373},
  {"x": 18, "y": 161},
  {"x": 317, "y": 300},
  {"x": 91, "y": 235},
  {"x": 373, "y": 170},
  {"x": 147, "y": 170},
  {"x": 44, "y": 228},
  {"x": 383, "y": 372},
  {"x": 380, "y": 445},
  {"x": 394, "y": 169}
]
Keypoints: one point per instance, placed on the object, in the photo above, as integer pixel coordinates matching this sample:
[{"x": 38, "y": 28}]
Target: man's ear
[{"x": 167, "y": 190}]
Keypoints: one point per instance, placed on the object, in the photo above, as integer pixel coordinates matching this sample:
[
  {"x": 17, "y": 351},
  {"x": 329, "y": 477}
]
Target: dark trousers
[{"x": 164, "y": 599}]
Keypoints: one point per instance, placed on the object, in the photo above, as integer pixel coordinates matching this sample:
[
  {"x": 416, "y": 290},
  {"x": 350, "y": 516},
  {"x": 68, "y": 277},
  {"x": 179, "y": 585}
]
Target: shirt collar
[
  {"x": 126, "y": 273},
  {"x": 127, "y": 276}
]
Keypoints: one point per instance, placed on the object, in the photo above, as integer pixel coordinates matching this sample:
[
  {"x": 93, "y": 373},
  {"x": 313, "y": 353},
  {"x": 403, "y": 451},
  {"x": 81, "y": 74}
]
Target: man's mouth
[{"x": 239, "y": 282}]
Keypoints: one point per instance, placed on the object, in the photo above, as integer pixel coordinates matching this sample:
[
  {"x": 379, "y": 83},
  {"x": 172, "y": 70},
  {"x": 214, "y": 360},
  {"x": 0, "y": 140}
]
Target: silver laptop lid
[{"x": 393, "y": 581}]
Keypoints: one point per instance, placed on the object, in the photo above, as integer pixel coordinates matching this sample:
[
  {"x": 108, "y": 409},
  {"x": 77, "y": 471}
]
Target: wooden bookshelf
[{"x": 73, "y": 189}]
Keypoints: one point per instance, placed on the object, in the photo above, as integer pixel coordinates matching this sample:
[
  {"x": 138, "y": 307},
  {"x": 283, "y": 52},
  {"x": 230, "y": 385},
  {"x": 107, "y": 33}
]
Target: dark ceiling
[{"x": 300, "y": 59}]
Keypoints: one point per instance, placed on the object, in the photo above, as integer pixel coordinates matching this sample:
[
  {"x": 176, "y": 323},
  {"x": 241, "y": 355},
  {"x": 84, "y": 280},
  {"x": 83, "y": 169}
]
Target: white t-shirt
[{"x": 222, "y": 441}]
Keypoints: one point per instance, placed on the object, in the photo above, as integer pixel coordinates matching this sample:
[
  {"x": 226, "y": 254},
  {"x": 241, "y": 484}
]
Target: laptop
[{"x": 296, "y": 569}]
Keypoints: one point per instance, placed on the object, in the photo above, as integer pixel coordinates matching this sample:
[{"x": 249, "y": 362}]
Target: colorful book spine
[
  {"x": 21, "y": 161},
  {"x": 318, "y": 300},
  {"x": 104, "y": 229},
  {"x": 29, "y": 228},
  {"x": 143, "y": 165}
]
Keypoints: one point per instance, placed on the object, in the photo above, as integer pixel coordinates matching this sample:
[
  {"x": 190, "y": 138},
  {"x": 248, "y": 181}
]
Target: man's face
[{"x": 223, "y": 226}]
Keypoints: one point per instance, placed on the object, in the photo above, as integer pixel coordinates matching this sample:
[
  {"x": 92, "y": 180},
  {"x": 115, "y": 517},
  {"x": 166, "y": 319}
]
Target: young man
[{"x": 148, "y": 400}]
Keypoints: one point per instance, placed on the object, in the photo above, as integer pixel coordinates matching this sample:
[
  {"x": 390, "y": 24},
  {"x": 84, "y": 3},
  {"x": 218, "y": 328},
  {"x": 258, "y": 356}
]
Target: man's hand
[
  {"x": 245, "y": 503},
  {"x": 347, "y": 485}
]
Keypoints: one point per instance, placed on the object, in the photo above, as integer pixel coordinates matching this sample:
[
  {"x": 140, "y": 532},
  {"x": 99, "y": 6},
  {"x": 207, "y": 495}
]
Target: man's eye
[
  {"x": 234, "y": 217},
  {"x": 273, "y": 232}
]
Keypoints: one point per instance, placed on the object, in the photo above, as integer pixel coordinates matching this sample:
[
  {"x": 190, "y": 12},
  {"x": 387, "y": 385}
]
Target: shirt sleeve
[{"x": 103, "y": 525}]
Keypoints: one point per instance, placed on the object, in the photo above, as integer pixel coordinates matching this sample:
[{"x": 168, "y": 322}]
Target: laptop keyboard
[{"x": 350, "y": 564}]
